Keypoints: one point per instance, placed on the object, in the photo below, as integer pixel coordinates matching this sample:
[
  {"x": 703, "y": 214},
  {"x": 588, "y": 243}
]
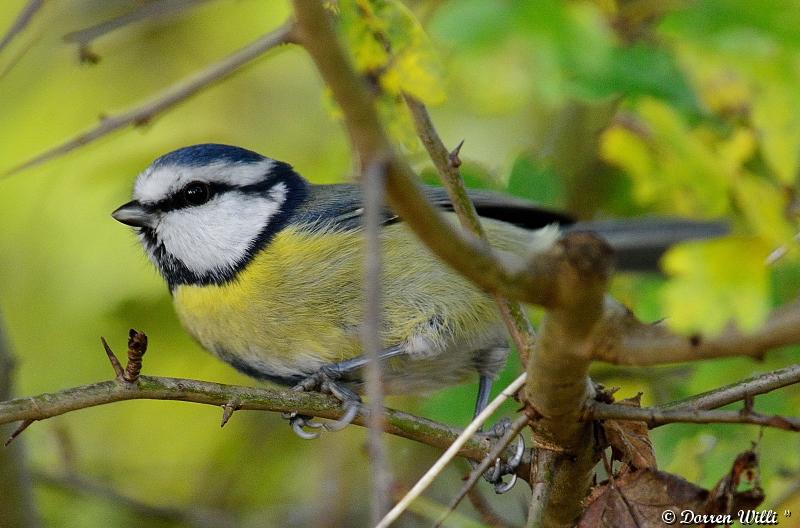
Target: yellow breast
[{"x": 299, "y": 304}]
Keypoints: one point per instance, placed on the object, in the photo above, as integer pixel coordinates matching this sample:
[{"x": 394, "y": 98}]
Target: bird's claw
[
  {"x": 299, "y": 422},
  {"x": 350, "y": 413},
  {"x": 500, "y": 468},
  {"x": 324, "y": 381}
]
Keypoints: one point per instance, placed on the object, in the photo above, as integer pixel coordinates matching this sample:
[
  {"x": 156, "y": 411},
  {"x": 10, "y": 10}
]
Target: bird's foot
[
  {"x": 495, "y": 474},
  {"x": 324, "y": 381}
]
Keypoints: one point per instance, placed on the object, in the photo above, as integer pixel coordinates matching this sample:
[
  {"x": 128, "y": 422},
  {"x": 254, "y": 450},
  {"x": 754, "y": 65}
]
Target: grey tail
[{"x": 640, "y": 243}]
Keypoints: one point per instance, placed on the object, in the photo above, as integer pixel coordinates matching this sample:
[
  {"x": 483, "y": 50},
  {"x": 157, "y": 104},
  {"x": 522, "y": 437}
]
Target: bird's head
[{"x": 203, "y": 211}]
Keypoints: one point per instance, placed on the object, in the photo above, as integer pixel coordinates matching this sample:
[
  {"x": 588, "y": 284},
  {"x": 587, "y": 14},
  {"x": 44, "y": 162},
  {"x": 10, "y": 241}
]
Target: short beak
[{"x": 133, "y": 214}]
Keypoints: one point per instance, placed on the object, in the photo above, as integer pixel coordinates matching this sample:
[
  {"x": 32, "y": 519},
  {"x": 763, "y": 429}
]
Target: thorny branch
[
  {"x": 624, "y": 340},
  {"x": 447, "y": 164},
  {"x": 740, "y": 390},
  {"x": 43, "y": 406},
  {"x": 149, "y": 11},
  {"x": 23, "y": 19},
  {"x": 657, "y": 416},
  {"x": 569, "y": 280},
  {"x": 17, "y": 505},
  {"x": 170, "y": 97}
]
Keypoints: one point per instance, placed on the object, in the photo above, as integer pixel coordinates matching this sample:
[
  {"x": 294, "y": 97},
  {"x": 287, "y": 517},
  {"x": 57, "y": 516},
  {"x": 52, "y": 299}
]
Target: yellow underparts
[{"x": 299, "y": 303}]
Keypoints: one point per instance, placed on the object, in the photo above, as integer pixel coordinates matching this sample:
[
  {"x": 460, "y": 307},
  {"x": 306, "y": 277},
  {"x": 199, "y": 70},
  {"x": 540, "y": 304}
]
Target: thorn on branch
[
  {"x": 455, "y": 160},
  {"x": 227, "y": 411},
  {"x": 115, "y": 364},
  {"x": 137, "y": 346},
  {"x": 749, "y": 403},
  {"x": 18, "y": 431},
  {"x": 87, "y": 56}
]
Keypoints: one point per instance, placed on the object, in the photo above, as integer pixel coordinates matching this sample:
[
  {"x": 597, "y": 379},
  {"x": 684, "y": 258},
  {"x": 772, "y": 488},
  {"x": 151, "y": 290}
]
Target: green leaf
[
  {"x": 532, "y": 179},
  {"x": 715, "y": 283}
]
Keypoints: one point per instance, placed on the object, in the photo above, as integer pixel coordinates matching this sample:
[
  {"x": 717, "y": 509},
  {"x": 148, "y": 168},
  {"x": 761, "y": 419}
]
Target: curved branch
[
  {"x": 654, "y": 416},
  {"x": 23, "y": 20},
  {"x": 153, "y": 11},
  {"x": 740, "y": 390},
  {"x": 624, "y": 340},
  {"x": 170, "y": 97},
  {"x": 447, "y": 164},
  {"x": 397, "y": 423},
  {"x": 496, "y": 272}
]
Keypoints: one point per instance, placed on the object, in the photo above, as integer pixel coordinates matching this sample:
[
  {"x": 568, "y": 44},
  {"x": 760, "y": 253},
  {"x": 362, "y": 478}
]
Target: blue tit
[{"x": 266, "y": 271}]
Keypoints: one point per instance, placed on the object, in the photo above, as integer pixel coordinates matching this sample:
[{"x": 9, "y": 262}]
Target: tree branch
[
  {"x": 447, "y": 164},
  {"x": 17, "y": 505},
  {"x": 624, "y": 340},
  {"x": 398, "y": 423},
  {"x": 654, "y": 416},
  {"x": 373, "y": 187},
  {"x": 194, "y": 516},
  {"x": 738, "y": 391},
  {"x": 558, "y": 382},
  {"x": 154, "y": 10},
  {"x": 170, "y": 97},
  {"x": 496, "y": 272},
  {"x": 454, "y": 448},
  {"x": 477, "y": 472},
  {"x": 22, "y": 21}
]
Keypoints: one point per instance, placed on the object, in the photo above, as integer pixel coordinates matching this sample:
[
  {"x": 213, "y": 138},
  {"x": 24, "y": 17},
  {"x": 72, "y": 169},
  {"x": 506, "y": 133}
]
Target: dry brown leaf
[
  {"x": 630, "y": 441},
  {"x": 638, "y": 499}
]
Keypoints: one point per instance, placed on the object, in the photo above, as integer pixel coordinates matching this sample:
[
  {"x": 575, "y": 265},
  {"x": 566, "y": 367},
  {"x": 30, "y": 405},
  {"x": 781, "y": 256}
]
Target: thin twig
[
  {"x": 478, "y": 471},
  {"x": 170, "y": 97},
  {"x": 17, "y": 504},
  {"x": 192, "y": 516},
  {"x": 426, "y": 480},
  {"x": 398, "y": 423},
  {"x": 22, "y": 21},
  {"x": 493, "y": 271},
  {"x": 484, "y": 509},
  {"x": 654, "y": 416},
  {"x": 624, "y": 340},
  {"x": 373, "y": 186},
  {"x": 447, "y": 165},
  {"x": 152, "y": 11},
  {"x": 543, "y": 473},
  {"x": 734, "y": 392}
]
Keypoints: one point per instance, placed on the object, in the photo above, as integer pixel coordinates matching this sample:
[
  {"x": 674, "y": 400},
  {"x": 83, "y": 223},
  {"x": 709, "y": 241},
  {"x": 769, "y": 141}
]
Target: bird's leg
[
  {"x": 326, "y": 381},
  {"x": 484, "y": 393},
  {"x": 500, "y": 468}
]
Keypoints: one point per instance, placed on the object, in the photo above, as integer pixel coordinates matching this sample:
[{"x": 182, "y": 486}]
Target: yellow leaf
[
  {"x": 717, "y": 282},
  {"x": 764, "y": 206},
  {"x": 776, "y": 117},
  {"x": 621, "y": 146}
]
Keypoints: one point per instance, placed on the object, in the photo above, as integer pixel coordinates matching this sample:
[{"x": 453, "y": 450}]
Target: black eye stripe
[{"x": 176, "y": 200}]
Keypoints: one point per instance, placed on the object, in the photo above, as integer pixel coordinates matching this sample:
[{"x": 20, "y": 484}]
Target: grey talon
[
  {"x": 504, "y": 487},
  {"x": 347, "y": 419},
  {"x": 297, "y": 427},
  {"x": 515, "y": 461}
]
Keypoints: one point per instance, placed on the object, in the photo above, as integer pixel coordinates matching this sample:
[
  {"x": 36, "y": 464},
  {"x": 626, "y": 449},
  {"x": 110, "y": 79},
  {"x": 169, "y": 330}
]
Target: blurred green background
[{"x": 607, "y": 108}]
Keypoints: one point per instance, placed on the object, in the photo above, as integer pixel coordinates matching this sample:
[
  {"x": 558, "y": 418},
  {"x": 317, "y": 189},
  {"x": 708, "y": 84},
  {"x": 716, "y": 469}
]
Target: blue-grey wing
[{"x": 342, "y": 206}]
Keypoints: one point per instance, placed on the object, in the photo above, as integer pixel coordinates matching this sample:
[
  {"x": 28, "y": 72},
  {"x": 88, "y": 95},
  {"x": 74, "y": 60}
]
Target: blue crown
[{"x": 199, "y": 155}]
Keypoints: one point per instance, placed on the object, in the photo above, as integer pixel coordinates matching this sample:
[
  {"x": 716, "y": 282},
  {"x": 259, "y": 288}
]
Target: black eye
[{"x": 196, "y": 193}]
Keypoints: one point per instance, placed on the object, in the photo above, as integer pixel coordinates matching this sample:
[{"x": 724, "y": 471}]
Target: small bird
[{"x": 266, "y": 272}]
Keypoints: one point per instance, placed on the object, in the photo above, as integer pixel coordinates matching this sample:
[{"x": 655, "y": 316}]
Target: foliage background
[{"x": 704, "y": 110}]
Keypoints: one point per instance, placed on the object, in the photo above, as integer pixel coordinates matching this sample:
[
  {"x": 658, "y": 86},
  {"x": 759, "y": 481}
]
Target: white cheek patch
[
  {"x": 217, "y": 236},
  {"x": 154, "y": 184}
]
